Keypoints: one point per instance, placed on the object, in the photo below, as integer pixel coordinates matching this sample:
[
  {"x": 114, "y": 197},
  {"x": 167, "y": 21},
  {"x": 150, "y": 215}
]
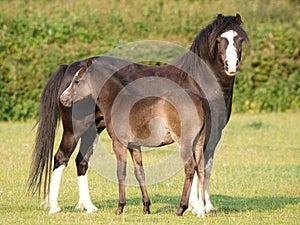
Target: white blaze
[{"x": 231, "y": 52}]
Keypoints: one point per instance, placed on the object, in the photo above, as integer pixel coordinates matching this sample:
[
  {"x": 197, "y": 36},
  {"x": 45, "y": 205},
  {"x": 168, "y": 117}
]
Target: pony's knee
[
  {"x": 81, "y": 164},
  {"x": 61, "y": 159}
]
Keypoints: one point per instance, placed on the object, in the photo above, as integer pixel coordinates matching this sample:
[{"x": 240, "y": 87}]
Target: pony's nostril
[
  {"x": 237, "y": 62},
  {"x": 226, "y": 62}
]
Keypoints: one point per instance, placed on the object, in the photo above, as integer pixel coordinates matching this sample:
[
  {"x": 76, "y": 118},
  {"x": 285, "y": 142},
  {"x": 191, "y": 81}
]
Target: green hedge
[{"x": 37, "y": 36}]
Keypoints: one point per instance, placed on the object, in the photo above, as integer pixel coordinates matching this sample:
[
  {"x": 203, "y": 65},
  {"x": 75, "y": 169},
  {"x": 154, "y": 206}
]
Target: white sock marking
[
  {"x": 196, "y": 205},
  {"x": 54, "y": 189},
  {"x": 84, "y": 195},
  {"x": 208, "y": 205},
  {"x": 193, "y": 195}
]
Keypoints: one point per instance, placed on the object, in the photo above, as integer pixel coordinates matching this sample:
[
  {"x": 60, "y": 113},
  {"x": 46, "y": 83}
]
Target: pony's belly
[
  {"x": 156, "y": 134},
  {"x": 153, "y": 142}
]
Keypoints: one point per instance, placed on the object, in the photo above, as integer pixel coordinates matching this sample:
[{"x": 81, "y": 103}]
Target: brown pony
[
  {"x": 188, "y": 102},
  {"x": 84, "y": 120}
]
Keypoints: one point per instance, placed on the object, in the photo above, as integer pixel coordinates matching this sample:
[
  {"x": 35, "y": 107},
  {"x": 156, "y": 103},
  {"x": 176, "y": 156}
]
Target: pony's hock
[{"x": 127, "y": 104}]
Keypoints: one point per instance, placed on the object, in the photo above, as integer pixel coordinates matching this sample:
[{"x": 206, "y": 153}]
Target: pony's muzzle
[
  {"x": 231, "y": 67},
  {"x": 66, "y": 100}
]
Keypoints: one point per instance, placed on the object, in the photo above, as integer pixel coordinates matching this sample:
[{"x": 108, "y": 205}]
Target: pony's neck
[{"x": 209, "y": 74}]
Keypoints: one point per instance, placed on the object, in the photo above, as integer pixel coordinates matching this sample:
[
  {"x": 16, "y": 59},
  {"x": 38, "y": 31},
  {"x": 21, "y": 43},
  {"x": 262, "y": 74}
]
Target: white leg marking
[
  {"x": 209, "y": 208},
  {"x": 201, "y": 211},
  {"x": 84, "y": 195},
  {"x": 196, "y": 205},
  {"x": 193, "y": 199},
  {"x": 54, "y": 189}
]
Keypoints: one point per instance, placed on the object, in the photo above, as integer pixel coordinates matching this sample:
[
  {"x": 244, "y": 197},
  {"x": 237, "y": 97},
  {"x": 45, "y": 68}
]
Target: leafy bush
[{"x": 37, "y": 36}]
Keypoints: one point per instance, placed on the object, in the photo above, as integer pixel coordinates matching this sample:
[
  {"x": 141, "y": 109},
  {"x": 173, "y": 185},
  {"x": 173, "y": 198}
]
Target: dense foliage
[{"x": 37, "y": 36}]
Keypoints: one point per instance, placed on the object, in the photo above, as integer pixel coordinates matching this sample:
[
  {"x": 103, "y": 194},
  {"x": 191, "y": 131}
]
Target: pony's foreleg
[
  {"x": 88, "y": 144},
  {"x": 84, "y": 195},
  {"x": 136, "y": 155}
]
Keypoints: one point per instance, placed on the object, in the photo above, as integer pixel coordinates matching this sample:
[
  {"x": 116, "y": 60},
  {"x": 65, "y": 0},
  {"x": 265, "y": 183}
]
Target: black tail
[{"x": 47, "y": 123}]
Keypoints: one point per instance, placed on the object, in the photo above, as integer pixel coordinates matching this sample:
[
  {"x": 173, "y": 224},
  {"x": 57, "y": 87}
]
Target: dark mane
[{"x": 204, "y": 43}]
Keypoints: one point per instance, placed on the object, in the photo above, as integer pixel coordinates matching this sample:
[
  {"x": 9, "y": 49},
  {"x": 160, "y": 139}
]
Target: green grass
[{"x": 255, "y": 180}]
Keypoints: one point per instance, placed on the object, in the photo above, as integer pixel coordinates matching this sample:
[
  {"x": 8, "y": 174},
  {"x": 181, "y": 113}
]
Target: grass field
[{"x": 256, "y": 180}]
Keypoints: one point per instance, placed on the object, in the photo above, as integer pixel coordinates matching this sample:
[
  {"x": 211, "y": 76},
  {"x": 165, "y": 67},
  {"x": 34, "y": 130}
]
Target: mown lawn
[{"x": 256, "y": 179}]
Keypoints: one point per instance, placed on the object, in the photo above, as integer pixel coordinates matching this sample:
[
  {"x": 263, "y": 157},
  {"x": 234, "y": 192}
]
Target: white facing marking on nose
[{"x": 231, "y": 52}]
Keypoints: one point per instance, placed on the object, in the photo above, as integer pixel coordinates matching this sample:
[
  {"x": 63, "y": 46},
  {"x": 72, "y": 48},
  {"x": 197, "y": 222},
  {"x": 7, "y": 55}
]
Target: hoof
[
  {"x": 192, "y": 205},
  {"x": 45, "y": 204},
  {"x": 79, "y": 206},
  {"x": 212, "y": 211},
  {"x": 147, "y": 212},
  {"x": 201, "y": 214},
  {"x": 55, "y": 210},
  {"x": 120, "y": 208},
  {"x": 118, "y": 212},
  {"x": 179, "y": 212},
  {"x": 92, "y": 210},
  {"x": 209, "y": 208},
  {"x": 146, "y": 208}
]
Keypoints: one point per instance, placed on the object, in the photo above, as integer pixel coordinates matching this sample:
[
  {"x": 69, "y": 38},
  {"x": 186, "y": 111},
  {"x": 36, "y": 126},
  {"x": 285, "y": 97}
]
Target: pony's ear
[
  {"x": 219, "y": 19},
  {"x": 89, "y": 63},
  {"x": 81, "y": 72},
  {"x": 238, "y": 19}
]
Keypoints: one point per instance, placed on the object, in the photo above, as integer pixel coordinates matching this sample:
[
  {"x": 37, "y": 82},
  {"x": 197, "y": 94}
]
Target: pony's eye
[
  {"x": 239, "y": 40},
  {"x": 76, "y": 81}
]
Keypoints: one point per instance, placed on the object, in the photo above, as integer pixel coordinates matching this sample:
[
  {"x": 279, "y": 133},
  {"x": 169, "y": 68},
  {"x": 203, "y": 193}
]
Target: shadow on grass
[
  {"x": 223, "y": 203},
  {"x": 228, "y": 204}
]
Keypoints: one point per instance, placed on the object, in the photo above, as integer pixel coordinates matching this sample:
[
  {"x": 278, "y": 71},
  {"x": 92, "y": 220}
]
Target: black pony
[
  {"x": 207, "y": 71},
  {"x": 121, "y": 87}
]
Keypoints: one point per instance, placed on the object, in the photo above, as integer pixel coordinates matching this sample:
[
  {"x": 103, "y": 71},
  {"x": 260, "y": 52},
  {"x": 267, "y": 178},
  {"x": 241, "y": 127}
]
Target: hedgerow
[{"x": 37, "y": 36}]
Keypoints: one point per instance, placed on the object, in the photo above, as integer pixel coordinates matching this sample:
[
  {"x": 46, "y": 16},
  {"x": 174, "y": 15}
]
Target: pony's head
[
  {"x": 73, "y": 93},
  {"x": 221, "y": 42}
]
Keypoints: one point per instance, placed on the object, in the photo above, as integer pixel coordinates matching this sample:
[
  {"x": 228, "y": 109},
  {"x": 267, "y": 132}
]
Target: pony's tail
[{"x": 44, "y": 142}]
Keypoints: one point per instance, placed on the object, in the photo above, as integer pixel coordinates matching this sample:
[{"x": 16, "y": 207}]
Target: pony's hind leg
[
  {"x": 121, "y": 155},
  {"x": 136, "y": 156},
  {"x": 197, "y": 204},
  {"x": 200, "y": 174},
  {"x": 88, "y": 143},
  {"x": 194, "y": 199},
  {"x": 209, "y": 208},
  {"x": 61, "y": 159},
  {"x": 189, "y": 169}
]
